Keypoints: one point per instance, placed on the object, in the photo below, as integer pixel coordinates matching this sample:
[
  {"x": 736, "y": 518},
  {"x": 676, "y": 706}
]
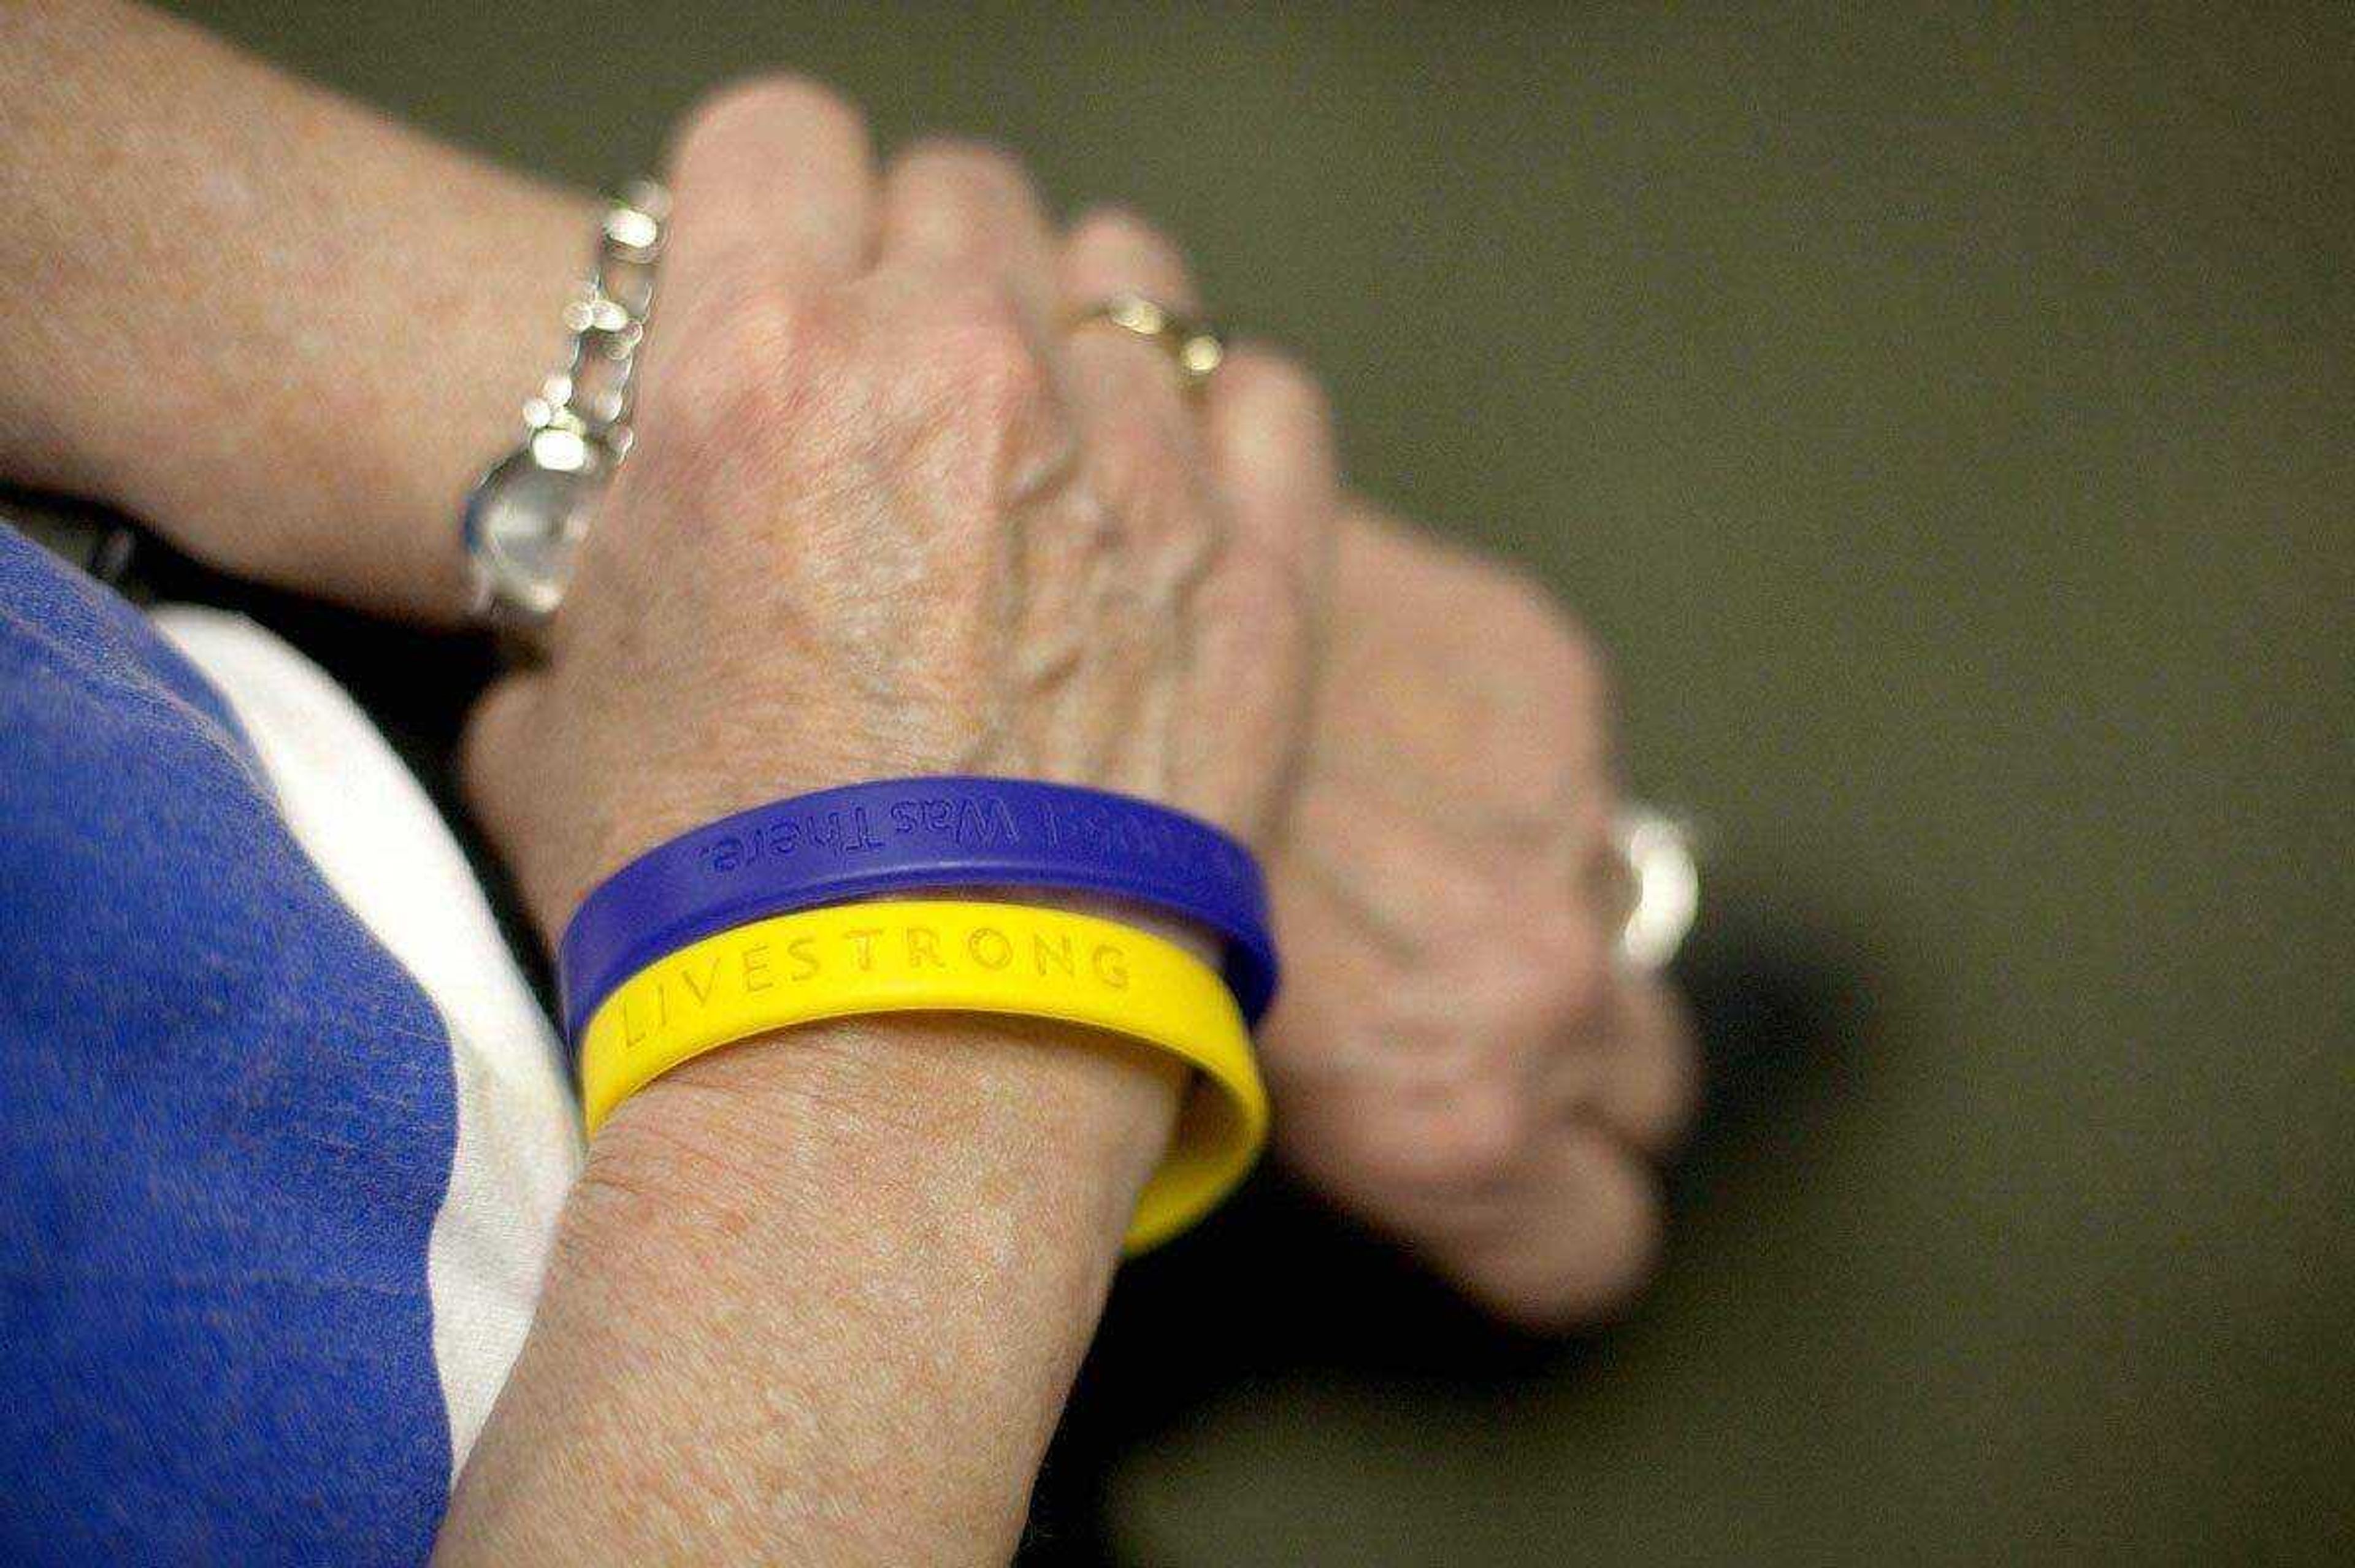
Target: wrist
[
  {"x": 376, "y": 308},
  {"x": 801, "y": 1260},
  {"x": 943, "y": 1126},
  {"x": 391, "y": 417},
  {"x": 377, "y": 423},
  {"x": 1109, "y": 1102}
]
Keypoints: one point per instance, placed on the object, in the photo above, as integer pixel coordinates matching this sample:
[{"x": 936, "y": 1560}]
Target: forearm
[
  {"x": 282, "y": 328},
  {"x": 820, "y": 1299}
]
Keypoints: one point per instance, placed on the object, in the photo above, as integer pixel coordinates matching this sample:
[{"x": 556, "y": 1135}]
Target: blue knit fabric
[{"x": 227, "y": 1117}]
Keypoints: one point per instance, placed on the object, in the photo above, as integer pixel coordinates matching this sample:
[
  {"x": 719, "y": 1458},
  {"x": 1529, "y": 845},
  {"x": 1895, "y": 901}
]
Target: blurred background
[{"x": 1946, "y": 424}]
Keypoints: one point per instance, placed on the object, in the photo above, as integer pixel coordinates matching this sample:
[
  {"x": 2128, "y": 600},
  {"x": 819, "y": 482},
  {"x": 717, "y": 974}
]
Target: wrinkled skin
[
  {"x": 886, "y": 516},
  {"x": 1457, "y": 1056},
  {"x": 311, "y": 448}
]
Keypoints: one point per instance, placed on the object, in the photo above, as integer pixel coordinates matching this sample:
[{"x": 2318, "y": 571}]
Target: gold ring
[{"x": 1195, "y": 348}]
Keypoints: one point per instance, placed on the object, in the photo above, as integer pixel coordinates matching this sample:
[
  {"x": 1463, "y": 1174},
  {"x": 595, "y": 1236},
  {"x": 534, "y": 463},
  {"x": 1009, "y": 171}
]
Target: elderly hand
[
  {"x": 362, "y": 447},
  {"x": 1458, "y": 1056},
  {"x": 886, "y": 514}
]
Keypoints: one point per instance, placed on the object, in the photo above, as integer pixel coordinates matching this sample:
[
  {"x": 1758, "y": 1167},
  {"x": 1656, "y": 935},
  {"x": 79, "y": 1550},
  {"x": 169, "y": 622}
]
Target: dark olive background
[{"x": 1947, "y": 425}]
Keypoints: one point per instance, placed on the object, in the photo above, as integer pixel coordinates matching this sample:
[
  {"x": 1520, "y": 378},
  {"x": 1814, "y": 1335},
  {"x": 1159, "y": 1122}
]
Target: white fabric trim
[{"x": 386, "y": 851}]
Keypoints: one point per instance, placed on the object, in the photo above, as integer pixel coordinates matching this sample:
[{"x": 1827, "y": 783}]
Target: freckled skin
[
  {"x": 865, "y": 535},
  {"x": 1461, "y": 744},
  {"x": 1455, "y": 1055},
  {"x": 952, "y": 539}
]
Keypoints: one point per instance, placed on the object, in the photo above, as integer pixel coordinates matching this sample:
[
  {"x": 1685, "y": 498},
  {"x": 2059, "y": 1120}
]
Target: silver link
[
  {"x": 526, "y": 516},
  {"x": 590, "y": 396}
]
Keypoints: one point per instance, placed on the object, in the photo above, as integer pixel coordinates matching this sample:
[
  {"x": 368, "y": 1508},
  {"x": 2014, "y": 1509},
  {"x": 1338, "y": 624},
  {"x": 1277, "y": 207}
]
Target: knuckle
[
  {"x": 1616, "y": 1251},
  {"x": 1273, "y": 388},
  {"x": 1569, "y": 975},
  {"x": 978, "y": 354},
  {"x": 1140, "y": 471},
  {"x": 1667, "y": 1071},
  {"x": 1568, "y": 668},
  {"x": 728, "y": 387},
  {"x": 1463, "y": 1139},
  {"x": 1264, "y": 594},
  {"x": 970, "y": 387},
  {"x": 812, "y": 105},
  {"x": 1119, "y": 230},
  {"x": 1662, "y": 1114},
  {"x": 963, "y": 161},
  {"x": 1582, "y": 668},
  {"x": 748, "y": 337}
]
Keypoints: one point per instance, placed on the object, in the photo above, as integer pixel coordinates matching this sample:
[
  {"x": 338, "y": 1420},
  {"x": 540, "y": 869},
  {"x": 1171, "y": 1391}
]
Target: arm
[
  {"x": 316, "y": 429},
  {"x": 819, "y": 1299},
  {"x": 282, "y": 329}
]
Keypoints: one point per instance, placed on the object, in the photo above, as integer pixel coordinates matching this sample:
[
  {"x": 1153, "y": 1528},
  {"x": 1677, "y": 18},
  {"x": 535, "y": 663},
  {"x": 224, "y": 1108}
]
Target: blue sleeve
[{"x": 227, "y": 1116}]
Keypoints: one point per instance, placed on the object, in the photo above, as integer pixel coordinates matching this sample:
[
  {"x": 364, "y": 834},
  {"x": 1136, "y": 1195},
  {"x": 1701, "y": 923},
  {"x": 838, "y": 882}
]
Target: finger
[
  {"x": 1575, "y": 1242},
  {"x": 1399, "y": 1075},
  {"x": 1146, "y": 500},
  {"x": 1110, "y": 254},
  {"x": 962, "y": 207},
  {"x": 1271, "y": 440},
  {"x": 1547, "y": 1222},
  {"x": 1114, "y": 251},
  {"x": 771, "y": 181},
  {"x": 1143, "y": 445},
  {"x": 495, "y": 756},
  {"x": 1647, "y": 1078},
  {"x": 1403, "y": 1086}
]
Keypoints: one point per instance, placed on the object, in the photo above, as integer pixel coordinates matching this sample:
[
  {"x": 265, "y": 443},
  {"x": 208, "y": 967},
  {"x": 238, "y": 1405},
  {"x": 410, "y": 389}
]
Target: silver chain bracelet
[{"x": 526, "y": 517}]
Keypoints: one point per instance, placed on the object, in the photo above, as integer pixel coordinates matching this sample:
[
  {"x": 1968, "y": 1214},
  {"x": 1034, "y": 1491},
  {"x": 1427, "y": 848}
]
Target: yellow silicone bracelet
[{"x": 944, "y": 955}]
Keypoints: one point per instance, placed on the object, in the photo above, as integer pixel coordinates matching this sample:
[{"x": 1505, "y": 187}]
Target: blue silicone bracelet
[{"x": 905, "y": 836}]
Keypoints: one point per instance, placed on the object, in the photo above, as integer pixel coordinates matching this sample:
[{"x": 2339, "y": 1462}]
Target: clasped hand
[{"x": 889, "y": 512}]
